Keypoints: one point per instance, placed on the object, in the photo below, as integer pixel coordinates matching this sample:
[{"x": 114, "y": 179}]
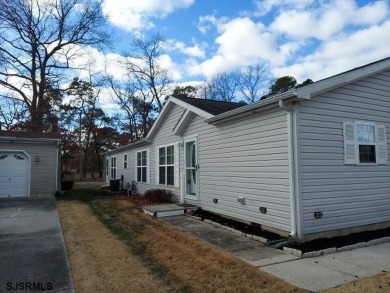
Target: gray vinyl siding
[
  {"x": 164, "y": 136},
  {"x": 348, "y": 195},
  {"x": 249, "y": 158},
  {"x": 43, "y": 173}
]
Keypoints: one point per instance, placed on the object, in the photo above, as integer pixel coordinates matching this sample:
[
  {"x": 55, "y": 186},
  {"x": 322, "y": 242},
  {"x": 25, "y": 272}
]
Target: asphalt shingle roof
[{"x": 210, "y": 106}]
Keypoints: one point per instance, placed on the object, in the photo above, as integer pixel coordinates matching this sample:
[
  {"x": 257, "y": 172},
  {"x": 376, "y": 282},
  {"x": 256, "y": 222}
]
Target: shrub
[{"x": 158, "y": 196}]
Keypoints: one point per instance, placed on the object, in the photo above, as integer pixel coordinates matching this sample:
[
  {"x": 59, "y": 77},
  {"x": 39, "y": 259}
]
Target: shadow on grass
[
  {"x": 128, "y": 225},
  {"x": 128, "y": 230},
  {"x": 81, "y": 194}
]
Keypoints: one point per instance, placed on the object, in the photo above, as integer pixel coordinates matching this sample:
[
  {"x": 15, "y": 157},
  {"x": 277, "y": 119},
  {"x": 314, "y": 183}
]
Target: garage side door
[{"x": 14, "y": 174}]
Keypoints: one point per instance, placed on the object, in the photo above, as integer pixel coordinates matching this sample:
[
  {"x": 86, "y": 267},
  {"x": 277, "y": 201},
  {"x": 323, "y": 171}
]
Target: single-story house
[
  {"x": 29, "y": 164},
  {"x": 311, "y": 162}
]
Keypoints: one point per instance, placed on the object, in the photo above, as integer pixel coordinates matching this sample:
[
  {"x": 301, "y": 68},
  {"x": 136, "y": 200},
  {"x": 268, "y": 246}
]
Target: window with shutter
[{"x": 364, "y": 143}]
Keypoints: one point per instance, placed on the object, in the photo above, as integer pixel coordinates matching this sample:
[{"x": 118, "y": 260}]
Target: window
[
  {"x": 364, "y": 143},
  {"x": 142, "y": 168},
  {"x": 113, "y": 168},
  {"x": 166, "y": 169},
  {"x": 124, "y": 161},
  {"x": 107, "y": 168}
]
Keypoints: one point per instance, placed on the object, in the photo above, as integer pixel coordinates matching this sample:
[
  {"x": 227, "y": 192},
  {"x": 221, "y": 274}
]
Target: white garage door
[{"x": 14, "y": 174}]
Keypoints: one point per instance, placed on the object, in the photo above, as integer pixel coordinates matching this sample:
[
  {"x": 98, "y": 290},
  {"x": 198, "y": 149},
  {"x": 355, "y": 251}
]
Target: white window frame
[
  {"x": 165, "y": 165},
  {"x": 351, "y": 145},
  {"x": 125, "y": 161},
  {"x": 146, "y": 166},
  {"x": 358, "y": 143},
  {"x": 113, "y": 170}
]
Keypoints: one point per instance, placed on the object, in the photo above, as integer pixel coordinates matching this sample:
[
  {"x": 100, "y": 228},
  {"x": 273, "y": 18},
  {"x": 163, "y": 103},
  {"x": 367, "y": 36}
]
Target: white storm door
[{"x": 191, "y": 169}]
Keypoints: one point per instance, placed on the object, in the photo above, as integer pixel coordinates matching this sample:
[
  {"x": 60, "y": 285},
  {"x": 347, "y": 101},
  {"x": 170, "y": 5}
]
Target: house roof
[
  {"x": 309, "y": 91},
  {"x": 29, "y": 135},
  {"x": 127, "y": 146},
  {"x": 209, "y": 106}
]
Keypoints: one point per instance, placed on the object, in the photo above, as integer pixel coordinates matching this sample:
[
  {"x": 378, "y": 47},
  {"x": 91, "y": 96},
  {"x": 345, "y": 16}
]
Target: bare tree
[
  {"x": 141, "y": 91},
  {"x": 39, "y": 39},
  {"x": 254, "y": 82},
  {"x": 222, "y": 87},
  {"x": 12, "y": 111},
  {"x": 148, "y": 76}
]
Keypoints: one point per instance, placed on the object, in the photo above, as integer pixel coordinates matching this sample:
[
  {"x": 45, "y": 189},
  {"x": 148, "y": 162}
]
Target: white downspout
[{"x": 292, "y": 165}]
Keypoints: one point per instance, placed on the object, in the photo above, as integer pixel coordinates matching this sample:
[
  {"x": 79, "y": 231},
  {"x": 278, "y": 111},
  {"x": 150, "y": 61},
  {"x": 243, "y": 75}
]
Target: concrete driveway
[{"x": 33, "y": 256}]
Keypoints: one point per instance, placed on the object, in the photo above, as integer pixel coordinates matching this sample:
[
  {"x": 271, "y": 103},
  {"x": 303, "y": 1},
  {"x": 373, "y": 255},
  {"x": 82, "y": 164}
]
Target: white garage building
[{"x": 29, "y": 164}]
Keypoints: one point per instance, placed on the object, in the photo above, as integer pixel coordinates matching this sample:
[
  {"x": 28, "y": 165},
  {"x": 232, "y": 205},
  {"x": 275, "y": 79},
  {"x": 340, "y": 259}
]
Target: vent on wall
[{"x": 263, "y": 210}]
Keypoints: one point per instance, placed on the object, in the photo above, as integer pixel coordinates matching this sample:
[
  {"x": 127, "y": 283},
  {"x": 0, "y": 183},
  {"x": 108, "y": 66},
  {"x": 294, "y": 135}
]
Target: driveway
[{"x": 33, "y": 256}]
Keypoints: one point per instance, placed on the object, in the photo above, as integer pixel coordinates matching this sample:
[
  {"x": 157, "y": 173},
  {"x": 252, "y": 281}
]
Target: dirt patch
[
  {"x": 314, "y": 245},
  {"x": 253, "y": 229},
  {"x": 99, "y": 261},
  {"x": 341, "y": 241}
]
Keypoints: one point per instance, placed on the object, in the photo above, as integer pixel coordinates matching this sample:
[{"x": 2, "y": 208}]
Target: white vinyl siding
[
  {"x": 347, "y": 195},
  {"x": 249, "y": 158},
  {"x": 165, "y": 137}
]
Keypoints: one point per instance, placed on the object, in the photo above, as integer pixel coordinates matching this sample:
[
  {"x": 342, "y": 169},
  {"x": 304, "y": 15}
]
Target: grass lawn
[{"x": 114, "y": 247}]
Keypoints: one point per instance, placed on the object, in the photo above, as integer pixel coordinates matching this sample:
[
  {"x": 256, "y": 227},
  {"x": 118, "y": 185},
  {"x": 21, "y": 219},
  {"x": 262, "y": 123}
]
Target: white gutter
[{"x": 296, "y": 231}]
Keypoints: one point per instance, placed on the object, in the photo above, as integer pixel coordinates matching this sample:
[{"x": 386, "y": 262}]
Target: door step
[{"x": 168, "y": 210}]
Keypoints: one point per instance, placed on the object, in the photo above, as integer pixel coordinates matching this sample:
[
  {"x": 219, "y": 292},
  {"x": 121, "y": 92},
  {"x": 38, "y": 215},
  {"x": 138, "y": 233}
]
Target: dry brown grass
[
  {"x": 99, "y": 261},
  {"x": 375, "y": 284},
  {"x": 200, "y": 266}
]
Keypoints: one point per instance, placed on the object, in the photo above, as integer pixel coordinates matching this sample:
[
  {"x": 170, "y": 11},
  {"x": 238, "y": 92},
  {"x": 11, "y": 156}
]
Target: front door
[{"x": 191, "y": 169}]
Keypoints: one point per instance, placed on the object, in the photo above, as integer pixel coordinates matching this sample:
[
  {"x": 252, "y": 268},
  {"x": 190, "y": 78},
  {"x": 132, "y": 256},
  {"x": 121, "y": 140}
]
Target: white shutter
[
  {"x": 177, "y": 164},
  {"x": 148, "y": 165},
  {"x": 157, "y": 162},
  {"x": 381, "y": 145},
  {"x": 350, "y": 153}
]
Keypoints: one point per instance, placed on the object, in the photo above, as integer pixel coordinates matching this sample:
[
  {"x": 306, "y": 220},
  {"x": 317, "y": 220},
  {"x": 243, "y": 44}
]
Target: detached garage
[{"x": 29, "y": 164}]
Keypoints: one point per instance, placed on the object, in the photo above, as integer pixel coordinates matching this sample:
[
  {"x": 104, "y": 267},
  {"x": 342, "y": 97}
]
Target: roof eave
[
  {"x": 127, "y": 147},
  {"x": 253, "y": 107},
  {"x": 30, "y": 139}
]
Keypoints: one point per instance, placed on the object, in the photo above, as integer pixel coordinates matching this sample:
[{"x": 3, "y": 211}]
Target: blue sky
[{"x": 303, "y": 38}]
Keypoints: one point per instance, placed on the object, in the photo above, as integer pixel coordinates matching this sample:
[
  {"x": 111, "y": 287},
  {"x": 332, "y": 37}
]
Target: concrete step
[{"x": 167, "y": 210}]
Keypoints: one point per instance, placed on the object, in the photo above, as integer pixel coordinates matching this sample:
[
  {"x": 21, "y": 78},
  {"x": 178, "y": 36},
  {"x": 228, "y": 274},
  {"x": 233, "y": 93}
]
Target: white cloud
[
  {"x": 341, "y": 54},
  {"x": 328, "y": 19},
  {"x": 243, "y": 42},
  {"x": 134, "y": 15},
  {"x": 208, "y": 22},
  {"x": 197, "y": 50},
  {"x": 265, "y": 6}
]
